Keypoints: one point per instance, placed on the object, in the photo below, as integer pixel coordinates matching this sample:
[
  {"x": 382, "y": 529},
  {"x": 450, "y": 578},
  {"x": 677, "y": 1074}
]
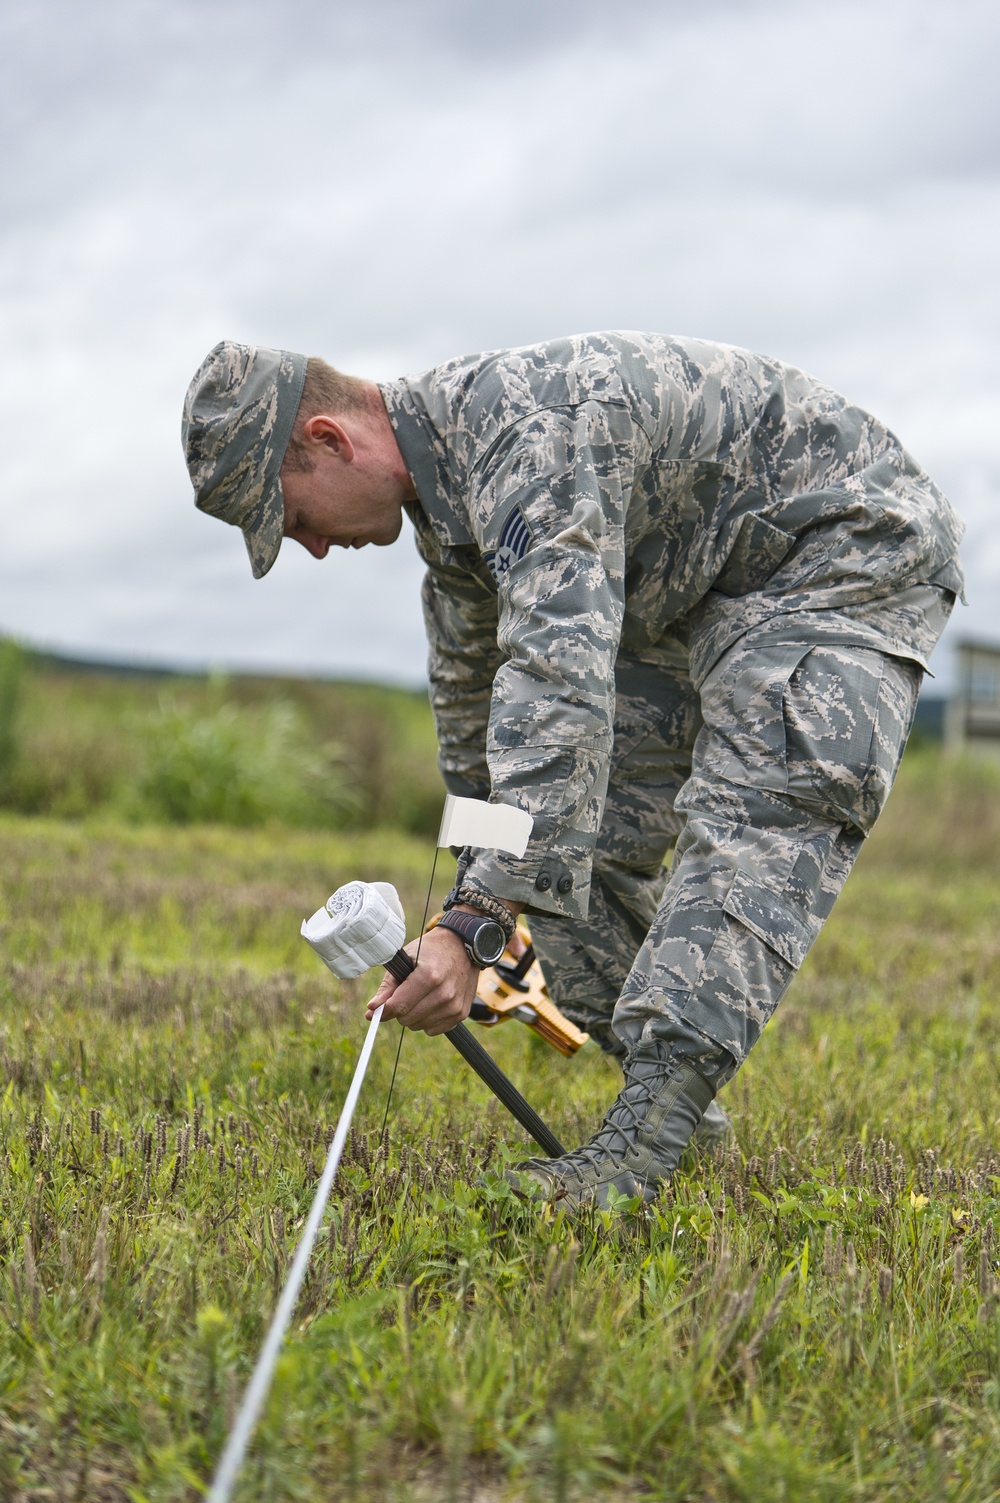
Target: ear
[{"x": 326, "y": 431}]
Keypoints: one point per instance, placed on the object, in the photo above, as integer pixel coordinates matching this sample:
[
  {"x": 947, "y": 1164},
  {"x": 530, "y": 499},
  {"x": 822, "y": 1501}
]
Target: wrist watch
[{"x": 484, "y": 939}]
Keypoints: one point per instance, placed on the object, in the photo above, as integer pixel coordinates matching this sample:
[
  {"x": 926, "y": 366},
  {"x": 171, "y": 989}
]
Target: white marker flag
[{"x": 495, "y": 827}]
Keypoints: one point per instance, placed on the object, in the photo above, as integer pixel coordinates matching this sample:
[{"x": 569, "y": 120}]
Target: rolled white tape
[{"x": 361, "y": 925}]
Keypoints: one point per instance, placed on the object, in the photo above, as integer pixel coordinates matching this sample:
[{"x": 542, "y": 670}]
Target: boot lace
[{"x": 645, "y": 1073}]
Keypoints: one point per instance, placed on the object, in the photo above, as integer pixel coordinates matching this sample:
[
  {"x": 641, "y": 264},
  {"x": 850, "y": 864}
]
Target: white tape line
[{"x": 260, "y": 1380}]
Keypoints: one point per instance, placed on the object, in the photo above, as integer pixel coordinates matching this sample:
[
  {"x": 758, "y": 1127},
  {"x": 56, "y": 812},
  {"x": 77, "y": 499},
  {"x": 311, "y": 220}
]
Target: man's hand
[{"x": 439, "y": 993}]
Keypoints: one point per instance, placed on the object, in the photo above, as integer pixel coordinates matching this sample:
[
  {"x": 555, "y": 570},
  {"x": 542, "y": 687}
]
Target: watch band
[
  {"x": 492, "y": 907},
  {"x": 467, "y": 926}
]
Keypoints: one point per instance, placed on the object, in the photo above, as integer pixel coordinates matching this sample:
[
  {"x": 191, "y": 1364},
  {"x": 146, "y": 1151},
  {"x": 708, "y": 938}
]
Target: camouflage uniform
[{"x": 677, "y": 592}]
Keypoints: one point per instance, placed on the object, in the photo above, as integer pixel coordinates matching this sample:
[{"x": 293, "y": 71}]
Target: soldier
[{"x": 676, "y": 594}]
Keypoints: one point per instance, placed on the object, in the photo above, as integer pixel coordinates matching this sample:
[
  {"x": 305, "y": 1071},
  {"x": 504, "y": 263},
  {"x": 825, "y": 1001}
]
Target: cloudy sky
[{"x": 390, "y": 183}]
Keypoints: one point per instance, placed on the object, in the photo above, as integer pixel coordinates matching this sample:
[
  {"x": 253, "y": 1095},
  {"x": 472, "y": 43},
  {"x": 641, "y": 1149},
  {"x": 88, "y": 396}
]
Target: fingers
[
  {"x": 439, "y": 993},
  {"x": 432, "y": 1008},
  {"x": 385, "y": 991},
  {"x": 437, "y": 1013},
  {"x": 434, "y": 1029}
]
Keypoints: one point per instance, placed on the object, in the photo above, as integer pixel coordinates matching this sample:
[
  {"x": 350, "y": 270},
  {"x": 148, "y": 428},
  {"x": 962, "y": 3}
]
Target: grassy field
[
  {"x": 815, "y": 1317},
  {"x": 76, "y": 740}
]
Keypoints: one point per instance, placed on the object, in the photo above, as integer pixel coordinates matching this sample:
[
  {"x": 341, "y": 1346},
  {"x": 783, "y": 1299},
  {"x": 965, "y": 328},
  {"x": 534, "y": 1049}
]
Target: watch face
[{"x": 489, "y": 943}]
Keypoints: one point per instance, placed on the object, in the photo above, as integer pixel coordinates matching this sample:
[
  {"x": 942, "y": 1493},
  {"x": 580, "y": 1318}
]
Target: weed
[
  {"x": 814, "y": 1315},
  {"x": 234, "y": 767},
  {"x": 242, "y": 749}
]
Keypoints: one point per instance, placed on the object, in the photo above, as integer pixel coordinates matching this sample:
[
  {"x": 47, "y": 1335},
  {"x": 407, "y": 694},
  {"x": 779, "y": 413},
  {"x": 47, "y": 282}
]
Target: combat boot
[
  {"x": 641, "y": 1140},
  {"x": 714, "y": 1131}
]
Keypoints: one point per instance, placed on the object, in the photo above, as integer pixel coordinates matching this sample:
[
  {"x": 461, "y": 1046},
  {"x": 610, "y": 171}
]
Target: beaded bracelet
[{"x": 485, "y": 904}]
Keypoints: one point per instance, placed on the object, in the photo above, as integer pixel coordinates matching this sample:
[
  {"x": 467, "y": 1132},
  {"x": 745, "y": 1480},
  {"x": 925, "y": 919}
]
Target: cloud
[{"x": 393, "y": 184}]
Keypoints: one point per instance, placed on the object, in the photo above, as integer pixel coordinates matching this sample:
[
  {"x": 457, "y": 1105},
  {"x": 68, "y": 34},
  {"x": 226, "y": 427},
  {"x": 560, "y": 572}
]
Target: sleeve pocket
[{"x": 782, "y": 928}]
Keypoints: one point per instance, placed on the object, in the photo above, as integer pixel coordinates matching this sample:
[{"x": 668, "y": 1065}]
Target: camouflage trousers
[{"x": 768, "y": 780}]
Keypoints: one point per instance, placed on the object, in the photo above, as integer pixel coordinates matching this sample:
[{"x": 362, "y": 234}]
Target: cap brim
[{"x": 264, "y": 532}]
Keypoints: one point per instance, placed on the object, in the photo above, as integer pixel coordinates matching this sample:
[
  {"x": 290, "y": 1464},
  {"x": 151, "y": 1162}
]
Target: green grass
[
  {"x": 79, "y": 742},
  {"x": 815, "y": 1317}
]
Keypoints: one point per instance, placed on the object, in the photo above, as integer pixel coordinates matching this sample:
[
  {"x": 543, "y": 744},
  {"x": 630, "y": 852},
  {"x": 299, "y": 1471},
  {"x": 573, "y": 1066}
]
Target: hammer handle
[
  {"x": 486, "y": 1067},
  {"x": 504, "y": 1089}
]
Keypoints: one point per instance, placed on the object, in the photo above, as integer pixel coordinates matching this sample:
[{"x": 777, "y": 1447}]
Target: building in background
[{"x": 972, "y": 713}]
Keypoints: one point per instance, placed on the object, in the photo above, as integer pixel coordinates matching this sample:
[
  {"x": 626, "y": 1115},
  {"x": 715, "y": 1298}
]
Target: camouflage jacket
[{"x": 585, "y": 501}]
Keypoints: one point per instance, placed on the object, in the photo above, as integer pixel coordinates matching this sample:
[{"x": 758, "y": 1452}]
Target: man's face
[
  {"x": 352, "y": 496},
  {"x": 324, "y": 511}
]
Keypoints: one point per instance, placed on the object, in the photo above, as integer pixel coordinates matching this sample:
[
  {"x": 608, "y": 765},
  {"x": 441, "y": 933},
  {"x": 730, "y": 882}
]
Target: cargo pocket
[
  {"x": 743, "y": 704},
  {"x": 761, "y": 942},
  {"x": 897, "y": 706},
  {"x": 848, "y": 712},
  {"x": 771, "y": 917}
]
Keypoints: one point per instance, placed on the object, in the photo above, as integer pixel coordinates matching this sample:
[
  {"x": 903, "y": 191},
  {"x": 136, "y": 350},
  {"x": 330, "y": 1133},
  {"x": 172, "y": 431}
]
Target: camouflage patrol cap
[{"x": 238, "y": 417}]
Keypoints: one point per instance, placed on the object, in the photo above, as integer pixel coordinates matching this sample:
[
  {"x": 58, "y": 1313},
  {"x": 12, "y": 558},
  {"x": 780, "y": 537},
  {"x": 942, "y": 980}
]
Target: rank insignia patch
[{"x": 514, "y": 540}]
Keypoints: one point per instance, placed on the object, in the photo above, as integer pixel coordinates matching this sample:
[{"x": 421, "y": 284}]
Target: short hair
[{"x": 325, "y": 390}]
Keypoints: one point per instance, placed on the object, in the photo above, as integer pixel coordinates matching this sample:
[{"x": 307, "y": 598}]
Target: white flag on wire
[{"x": 495, "y": 827}]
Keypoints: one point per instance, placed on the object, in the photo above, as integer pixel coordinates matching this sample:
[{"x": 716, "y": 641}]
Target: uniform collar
[{"x": 439, "y": 488}]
